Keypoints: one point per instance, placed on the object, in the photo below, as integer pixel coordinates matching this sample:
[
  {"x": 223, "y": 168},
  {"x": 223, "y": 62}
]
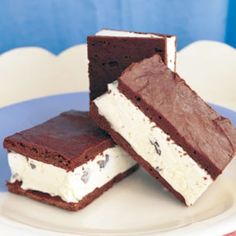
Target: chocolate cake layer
[
  {"x": 110, "y": 55},
  {"x": 167, "y": 100},
  {"x": 57, "y": 201},
  {"x": 67, "y": 141}
]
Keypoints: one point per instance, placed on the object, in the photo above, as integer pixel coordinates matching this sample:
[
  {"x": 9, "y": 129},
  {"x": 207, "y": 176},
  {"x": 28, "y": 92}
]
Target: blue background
[{"x": 59, "y": 24}]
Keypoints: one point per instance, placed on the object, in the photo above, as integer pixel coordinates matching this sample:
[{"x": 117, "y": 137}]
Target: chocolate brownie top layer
[
  {"x": 67, "y": 141},
  {"x": 110, "y": 55},
  {"x": 166, "y": 99}
]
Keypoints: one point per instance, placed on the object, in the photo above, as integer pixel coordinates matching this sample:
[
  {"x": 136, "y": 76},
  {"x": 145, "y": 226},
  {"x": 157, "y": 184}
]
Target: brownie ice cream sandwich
[
  {"x": 66, "y": 162},
  {"x": 167, "y": 128},
  {"x": 111, "y": 51}
]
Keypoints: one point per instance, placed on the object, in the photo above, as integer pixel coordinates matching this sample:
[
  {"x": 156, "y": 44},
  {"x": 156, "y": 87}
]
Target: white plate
[{"x": 137, "y": 205}]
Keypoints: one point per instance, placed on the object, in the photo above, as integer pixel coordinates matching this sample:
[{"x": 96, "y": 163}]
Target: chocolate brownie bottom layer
[
  {"x": 57, "y": 201},
  {"x": 104, "y": 124}
]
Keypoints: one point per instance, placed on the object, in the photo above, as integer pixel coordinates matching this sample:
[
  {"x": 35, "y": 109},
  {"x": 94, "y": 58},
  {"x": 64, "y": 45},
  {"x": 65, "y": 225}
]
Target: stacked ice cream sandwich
[{"x": 159, "y": 120}]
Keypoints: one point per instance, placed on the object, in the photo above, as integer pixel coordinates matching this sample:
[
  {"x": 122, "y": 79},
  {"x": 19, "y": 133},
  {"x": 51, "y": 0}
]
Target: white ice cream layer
[
  {"x": 170, "y": 42},
  {"x": 153, "y": 145},
  {"x": 70, "y": 186}
]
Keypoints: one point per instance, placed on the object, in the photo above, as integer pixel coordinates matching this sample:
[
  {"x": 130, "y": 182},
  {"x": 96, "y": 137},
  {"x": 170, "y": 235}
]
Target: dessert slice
[
  {"x": 67, "y": 161},
  {"x": 111, "y": 51},
  {"x": 167, "y": 128}
]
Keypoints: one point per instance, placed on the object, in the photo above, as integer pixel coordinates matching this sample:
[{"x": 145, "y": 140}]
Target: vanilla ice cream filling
[
  {"x": 153, "y": 145},
  {"x": 170, "y": 42},
  {"x": 71, "y": 186}
]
